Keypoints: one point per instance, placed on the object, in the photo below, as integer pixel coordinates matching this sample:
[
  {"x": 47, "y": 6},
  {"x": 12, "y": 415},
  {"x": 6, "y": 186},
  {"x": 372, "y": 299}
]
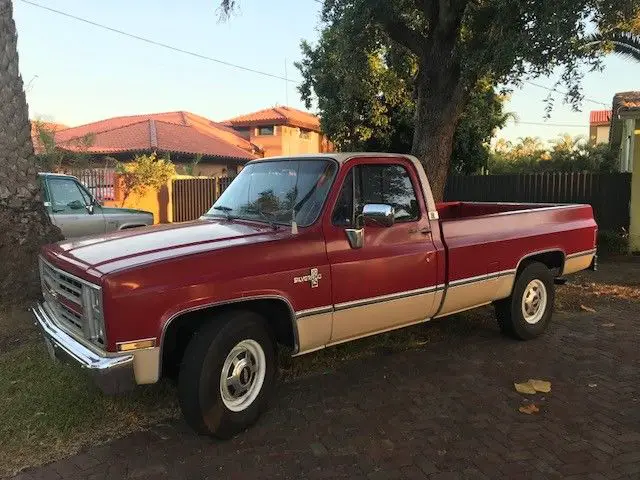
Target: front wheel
[
  {"x": 227, "y": 374},
  {"x": 527, "y": 312}
]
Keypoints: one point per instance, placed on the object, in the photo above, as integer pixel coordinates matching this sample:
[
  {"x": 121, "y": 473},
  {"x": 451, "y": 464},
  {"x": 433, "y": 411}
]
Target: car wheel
[
  {"x": 227, "y": 374},
  {"x": 527, "y": 312}
]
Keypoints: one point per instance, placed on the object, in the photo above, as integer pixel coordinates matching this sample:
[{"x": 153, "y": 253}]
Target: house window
[
  {"x": 306, "y": 134},
  {"x": 266, "y": 130}
]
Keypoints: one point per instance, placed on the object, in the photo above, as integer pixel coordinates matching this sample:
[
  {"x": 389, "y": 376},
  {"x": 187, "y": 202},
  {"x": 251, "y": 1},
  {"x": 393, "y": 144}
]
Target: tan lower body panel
[
  {"x": 146, "y": 365},
  {"x": 470, "y": 295},
  {"x": 359, "y": 321},
  {"x": 575, "y": 264},
  {"x": 314, "y": 331}
]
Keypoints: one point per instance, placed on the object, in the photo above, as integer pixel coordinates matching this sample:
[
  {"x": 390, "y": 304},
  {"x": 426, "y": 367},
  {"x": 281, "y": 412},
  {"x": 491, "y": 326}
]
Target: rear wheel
[
  {"x": 227, "y": 374},
  {"x": 527, "y": 312}
]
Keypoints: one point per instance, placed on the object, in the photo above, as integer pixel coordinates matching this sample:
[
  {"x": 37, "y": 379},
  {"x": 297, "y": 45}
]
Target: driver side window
[
  {"x": 389, "y": 184},
  {"x": 65, "y": 195}
]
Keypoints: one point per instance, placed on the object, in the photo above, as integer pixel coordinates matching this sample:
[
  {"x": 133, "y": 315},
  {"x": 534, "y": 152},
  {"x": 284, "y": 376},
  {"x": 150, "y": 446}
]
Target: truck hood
[{"x": 129, "y": 248}]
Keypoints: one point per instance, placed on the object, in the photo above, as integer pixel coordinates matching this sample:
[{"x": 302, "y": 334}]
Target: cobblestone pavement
[{"x": 445, "y": 410}]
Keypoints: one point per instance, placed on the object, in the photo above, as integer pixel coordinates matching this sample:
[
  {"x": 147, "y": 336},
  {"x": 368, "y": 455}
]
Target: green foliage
[
  {"x": 191, "y": 167},
  {"x": 52, "y": 159},
  {"x": 613, "y": 243},
  {"x": 144, "y": 172},
  {"x": 363, "y": 84},
  {"x": 456, "y": 44},
  {"x": 568, "y": 154}
]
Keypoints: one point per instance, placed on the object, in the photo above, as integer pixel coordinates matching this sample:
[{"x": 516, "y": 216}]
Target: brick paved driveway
[{"x": 445, "y": 410}]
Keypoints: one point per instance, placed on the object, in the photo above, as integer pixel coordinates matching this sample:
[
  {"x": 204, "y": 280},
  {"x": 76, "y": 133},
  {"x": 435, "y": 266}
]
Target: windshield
[{"x": 278, "y": 191}]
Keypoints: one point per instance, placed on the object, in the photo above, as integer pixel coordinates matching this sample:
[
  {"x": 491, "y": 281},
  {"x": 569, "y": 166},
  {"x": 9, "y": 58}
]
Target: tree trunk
[
  {"x": 439, "y": 104},
  {"x": 24, "y": 223}
]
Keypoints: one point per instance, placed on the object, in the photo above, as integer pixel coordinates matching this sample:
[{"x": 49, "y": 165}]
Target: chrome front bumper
[{"x": 113, "y": 374}]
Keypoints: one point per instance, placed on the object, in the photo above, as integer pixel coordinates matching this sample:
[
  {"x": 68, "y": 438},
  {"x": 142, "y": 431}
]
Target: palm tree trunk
[{"x": 24, "y": 223}]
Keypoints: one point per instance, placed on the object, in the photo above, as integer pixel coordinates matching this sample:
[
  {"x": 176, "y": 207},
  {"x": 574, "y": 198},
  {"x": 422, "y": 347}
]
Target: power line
[
  {"x": 156, "y": 43},
  {"x": 555, "y": 90},
  {"x": 217, "y": 60},
  {"x": 545, "y": 124}
]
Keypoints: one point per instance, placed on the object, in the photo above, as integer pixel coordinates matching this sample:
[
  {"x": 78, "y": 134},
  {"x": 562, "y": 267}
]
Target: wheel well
[
  {"x": 178, "y": 333},
  {"x": 554, "y": 260}
]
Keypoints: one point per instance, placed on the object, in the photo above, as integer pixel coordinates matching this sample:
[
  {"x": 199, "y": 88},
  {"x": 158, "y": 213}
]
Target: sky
[{"x": 75, "y": 73}]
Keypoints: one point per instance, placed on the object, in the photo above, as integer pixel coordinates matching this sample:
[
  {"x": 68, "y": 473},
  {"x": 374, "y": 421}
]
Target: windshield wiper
[
  {"x": 264, "y": 216},
  {"x": 226, "y": 210}
]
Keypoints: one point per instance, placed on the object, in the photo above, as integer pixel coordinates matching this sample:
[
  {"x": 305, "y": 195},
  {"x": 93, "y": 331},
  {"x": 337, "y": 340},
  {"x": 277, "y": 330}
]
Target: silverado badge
[{"x": 312, "y": 278}]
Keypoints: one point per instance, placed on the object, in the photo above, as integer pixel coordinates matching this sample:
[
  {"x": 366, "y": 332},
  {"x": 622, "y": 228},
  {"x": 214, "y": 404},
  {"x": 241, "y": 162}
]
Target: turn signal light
[{"x": 136, "y": 345}]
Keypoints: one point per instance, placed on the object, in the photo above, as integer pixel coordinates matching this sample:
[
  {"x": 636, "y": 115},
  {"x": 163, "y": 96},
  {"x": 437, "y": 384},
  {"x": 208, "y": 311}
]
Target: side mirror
[
  {"x": 378, "y": 215},
  {"x": 373, "y": 214},
  {"x": 75, "y": 205},
  {"x": 90, "y": 208}
]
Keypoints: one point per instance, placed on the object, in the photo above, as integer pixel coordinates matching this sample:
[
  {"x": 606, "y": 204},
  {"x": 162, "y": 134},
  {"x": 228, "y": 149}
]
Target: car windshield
[{"x": 277, "y": 191}]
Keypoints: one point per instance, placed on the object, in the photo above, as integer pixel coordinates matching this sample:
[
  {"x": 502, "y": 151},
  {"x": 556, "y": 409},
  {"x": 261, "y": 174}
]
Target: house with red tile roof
[
  {"x": 281, "y": 131},
  {"x": 181, "y": 135},
  {"x": 599, "y": 125}
]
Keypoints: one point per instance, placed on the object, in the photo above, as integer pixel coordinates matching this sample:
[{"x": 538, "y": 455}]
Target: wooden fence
[
  {"x": 192, "y": 197},
  {"x": 608, "y": 193}
]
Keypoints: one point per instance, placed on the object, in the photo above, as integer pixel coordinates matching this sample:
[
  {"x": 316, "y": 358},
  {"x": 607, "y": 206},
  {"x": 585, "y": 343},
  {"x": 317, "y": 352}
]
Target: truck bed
[{"x": 485, "y": 243}]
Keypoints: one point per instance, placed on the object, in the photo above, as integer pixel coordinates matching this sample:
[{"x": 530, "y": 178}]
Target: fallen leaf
[
  {"x": 593, "y": 385},
  {"x": 529, "y": 409},
  {"x": 608, "y": 324},
  {"x": 540, "y": 385},
  {"x": 587, "y": 309},
  {"x": 525, "y": 387}
]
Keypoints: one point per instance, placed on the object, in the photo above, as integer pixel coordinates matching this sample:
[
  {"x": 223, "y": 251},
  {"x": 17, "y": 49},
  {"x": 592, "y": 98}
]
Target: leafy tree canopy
[
  {"x": 567, "y": 154},
  {"x": 458, "y": 43},
  {"x": 364, "y": 89}
]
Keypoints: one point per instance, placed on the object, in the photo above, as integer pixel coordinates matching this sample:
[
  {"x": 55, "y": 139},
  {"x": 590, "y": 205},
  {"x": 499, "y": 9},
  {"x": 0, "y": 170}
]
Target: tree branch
[{"x": 400, "y": 33}]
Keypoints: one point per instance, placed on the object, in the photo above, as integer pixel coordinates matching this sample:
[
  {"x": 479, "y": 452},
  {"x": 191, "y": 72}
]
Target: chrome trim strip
[
  {"x": 384, "y": 298},
  {"x": 581, "y": 254},
  {"x": 538, "y": 252},
  {"x": 480, "y": 278},
  {"x": 314, "y": 311}
]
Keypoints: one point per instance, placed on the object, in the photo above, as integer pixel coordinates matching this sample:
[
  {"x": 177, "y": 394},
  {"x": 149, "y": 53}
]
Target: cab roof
[{"x": 340, "y": 157}]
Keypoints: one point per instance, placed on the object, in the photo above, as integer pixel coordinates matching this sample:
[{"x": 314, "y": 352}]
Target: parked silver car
[{"x": 77, "y": 213}]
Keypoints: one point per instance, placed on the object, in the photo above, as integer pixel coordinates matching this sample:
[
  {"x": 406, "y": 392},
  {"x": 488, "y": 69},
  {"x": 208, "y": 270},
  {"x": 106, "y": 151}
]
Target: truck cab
[{"x": 77, "y": 213}]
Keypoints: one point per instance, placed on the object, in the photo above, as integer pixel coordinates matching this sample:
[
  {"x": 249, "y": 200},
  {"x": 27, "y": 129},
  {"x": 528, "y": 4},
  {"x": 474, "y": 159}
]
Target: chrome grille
[{"x": 60, "y": 289}]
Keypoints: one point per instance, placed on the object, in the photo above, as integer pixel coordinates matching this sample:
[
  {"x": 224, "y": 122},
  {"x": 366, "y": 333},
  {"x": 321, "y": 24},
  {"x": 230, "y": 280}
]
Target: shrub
[
  {"x": 613, "y": 243},
  {"x": 145, "y": 171}
]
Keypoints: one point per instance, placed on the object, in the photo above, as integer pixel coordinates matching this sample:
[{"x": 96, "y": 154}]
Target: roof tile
[
  {"x": 600, "y": 117},
  {"x": 278, "y": 115},
  {"x": 176, "y": 132}
]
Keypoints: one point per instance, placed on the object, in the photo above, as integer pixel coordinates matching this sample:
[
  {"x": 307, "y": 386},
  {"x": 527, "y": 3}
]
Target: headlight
[{"x": 95, "y": 316}]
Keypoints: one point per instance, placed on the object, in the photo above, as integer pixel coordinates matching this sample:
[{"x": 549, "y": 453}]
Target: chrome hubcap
[
  {"x": 534, "y": 301},
  {"x": 242, "y": 375}
]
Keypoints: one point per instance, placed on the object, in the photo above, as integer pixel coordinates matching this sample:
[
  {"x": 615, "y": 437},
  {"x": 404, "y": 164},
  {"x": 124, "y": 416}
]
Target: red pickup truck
[{"x": 303, "y": 252}]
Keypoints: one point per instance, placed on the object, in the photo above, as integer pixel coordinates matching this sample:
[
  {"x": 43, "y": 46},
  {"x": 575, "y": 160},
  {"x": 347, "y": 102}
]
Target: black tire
[
  {"x": 199, "y": 382},
  {"x": 509, "y": 311}
]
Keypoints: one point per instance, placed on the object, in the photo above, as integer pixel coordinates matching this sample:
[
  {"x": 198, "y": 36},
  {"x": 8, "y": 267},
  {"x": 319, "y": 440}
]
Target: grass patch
[{"x": 49, "y": 410}]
